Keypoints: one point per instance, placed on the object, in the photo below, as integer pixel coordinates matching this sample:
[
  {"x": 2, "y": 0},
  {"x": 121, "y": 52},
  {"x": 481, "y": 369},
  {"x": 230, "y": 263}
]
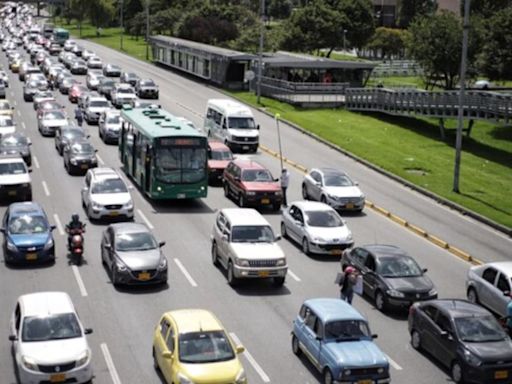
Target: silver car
[
  {"x": 50, "y": 121},
  {"x": 490, "y": 286},
  {"x": 133, "y": 256},
  {"x": 317, "y": 227},
  {"x": 109, "y": 126},
  {"x": 334, "y": 188}
]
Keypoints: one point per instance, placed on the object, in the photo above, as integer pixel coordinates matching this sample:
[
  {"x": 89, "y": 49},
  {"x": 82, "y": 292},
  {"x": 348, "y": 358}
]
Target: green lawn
[
  {"x": 397, "y": 81},
  {"x": 412, "y": 149}
]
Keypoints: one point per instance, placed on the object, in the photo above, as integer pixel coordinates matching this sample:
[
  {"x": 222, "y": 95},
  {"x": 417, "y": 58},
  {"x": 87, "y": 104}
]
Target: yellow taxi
[
  {"x": 5, "y": 108},
  {"x": 190, "y": 346},
  {"x": 15, "y": 65}
]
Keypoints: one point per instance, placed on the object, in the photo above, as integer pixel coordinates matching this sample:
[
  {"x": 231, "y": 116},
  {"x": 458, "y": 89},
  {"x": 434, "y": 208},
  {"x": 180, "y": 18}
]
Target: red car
[
  {"x": 251, "y": 184},
  {"x": 219, "y": 156},
  {"x": 75, "y": 91}
]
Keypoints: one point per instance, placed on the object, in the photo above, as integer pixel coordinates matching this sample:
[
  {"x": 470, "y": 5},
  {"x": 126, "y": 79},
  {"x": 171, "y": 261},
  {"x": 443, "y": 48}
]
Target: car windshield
[
  {"x": 257, "y": 175},
  {"x": 14, "y": 141},
  {"x": 403, "y": 266},
  {"x": 147, "y": 83},
  {"x": 479, "y": 329},
  {"x": 6, "y": 122},
  {"x": 107, "y": 83},
  {"x": 82, "y": 148},
  {"x": 221, "y": 155},
  {"x": 109, "y": 186},
  {"x": 14, "y": 168},
  {"x": 252, "y": 234},
  {"x": 4, "y": 105},
  {"x": 241, "y": 123},
  {"x": 73, "y": 134},
  {"x": 27, "y": 224},
  {"x": 114, "y": 120},
  {"x": 324, "y": 219},
  {"x": 99, "y": 104},
  {"x": 124, "y": 90},
  {"x": 55, "y": 115},
  {"x": 346, "y": 330},
  {"x": 205, "y": 347},
  {"x": 53, "y": 327},
  {"x": 135, "y": 241},
  {"x": 337, "y": 181}
]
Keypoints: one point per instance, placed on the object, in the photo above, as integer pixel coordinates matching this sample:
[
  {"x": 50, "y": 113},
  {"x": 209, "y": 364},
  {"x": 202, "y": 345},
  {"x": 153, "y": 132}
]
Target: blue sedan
[
  {"x": 336, "y": 338},
  {"x": 27, "y": 234}
]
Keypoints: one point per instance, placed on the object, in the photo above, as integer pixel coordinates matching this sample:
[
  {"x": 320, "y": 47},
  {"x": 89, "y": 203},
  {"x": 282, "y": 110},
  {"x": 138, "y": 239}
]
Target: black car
[
  {"x": 79, "y": 156},
  {"x": 65, "y": 135},
  {"x": 146, "y": 89},
  {"x": 130, "y": 78},
  {"x": 30, "y": 88},
  {"x": 106, "y": 86},
  {"x": 465, "y": 338},
  {"x": 390, "y": 276},
  {"x": 16, "y": 143}
]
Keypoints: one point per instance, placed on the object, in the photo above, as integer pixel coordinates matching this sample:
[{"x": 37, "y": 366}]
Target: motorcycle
[{"x": 76, "y": 244}]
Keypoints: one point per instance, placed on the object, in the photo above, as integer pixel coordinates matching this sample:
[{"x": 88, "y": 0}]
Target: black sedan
[
  {"x": 465, "y": 338},
  {"x": 390, "y": 276},
  {"x": 79, "y": 156},
  {"x": 130, "y": 78},
  {"x": 67, "y": 134},
  {"x": 14, "y": 143}
]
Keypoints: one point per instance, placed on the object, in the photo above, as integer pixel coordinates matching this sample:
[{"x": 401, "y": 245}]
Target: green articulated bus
[
  {"x": 60, "y": 35},
  {"x": 164, "y": 156}
]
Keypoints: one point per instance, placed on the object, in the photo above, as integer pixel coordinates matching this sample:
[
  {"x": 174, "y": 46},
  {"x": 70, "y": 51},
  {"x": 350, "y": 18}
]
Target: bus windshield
[{"x": 180, "y": 165}]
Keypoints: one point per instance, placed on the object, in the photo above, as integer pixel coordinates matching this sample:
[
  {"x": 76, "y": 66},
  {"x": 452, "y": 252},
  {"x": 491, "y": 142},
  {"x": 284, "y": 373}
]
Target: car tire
[
  {"x": 416, "y": 340},
  {"x": 283, "y": 230},
  {"x": 295, "y": 346},
  {"x": 232, "y": 280},
  {"x": 226, "y": 190},
  {"x": 305, "y": 247},
  {"x": 215, "y": 256},
  {"x": 241, "y": 201},
  {"x": 323, "y": 200},
  {"x": 457, "y": 373},
  {"x": 472, "y": 295},
  {"x": 328, "y": 376},
  {"x": 305, "y": 195},
  {"x": 380, "y": 301},
  {"x": 88, "y": 212},
  {"x": 278, "y": 281},
  {"x": 155, "y": 361},
  {"x": 114, "y": 277}
]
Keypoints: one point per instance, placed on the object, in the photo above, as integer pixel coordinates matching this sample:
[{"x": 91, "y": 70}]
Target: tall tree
[
  {"x": 101, "y": 12},
  {"x": 355, "y": 16},
  {"x": 408, "y": 10},
  {"x": 389, "y": 41},
  {"x": 279, "y": 9},
  {"x": 486, "y": 8}
]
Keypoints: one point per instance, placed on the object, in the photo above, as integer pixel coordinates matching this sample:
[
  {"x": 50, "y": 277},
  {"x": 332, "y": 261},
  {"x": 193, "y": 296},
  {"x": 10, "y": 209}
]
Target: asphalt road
[{"x": 258, "y": 314}]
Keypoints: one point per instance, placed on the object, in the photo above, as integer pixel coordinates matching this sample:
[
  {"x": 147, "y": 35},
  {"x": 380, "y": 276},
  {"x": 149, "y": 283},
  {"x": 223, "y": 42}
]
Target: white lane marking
[
  {"x": 45, "y": 187},
  {"x": 251, "y": 360},
  {"x": 185, "y": 272},
  {"x": 393, "y": 363},
  {"x": 143, "y": 217},
  {"x": 59, "y": 224},
  {"x": 100, "y": 160},
  {"x": 15, "y": 103},
  {"x": 36, "y": 162},
  {"x": 110, "y": 364},
  {"x": 18, "y": 112},
  {"x": 79, "y": 280},
  {"x": 293, "y": 275},
  {"x": 23, "y": 125}
]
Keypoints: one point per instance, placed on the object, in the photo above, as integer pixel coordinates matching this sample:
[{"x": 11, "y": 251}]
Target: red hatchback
[
  {"x": 75, "y": 91},
  {"x": 252, "y": 184},
  {"x": 219, "y": 156}
]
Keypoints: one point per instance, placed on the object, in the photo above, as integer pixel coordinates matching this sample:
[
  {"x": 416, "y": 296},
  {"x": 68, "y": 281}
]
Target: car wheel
[
  {"x": 241, "y": 200},
  {"x": 295, "y": 346},
  {"x": 328, "y": 376},
  {"x": 155, "y": 361},
  {"x": 226, "y": 189},
  {"x": 380, "y": 301},
  {"x": 472, "y": 295},
  {"x": 305, "y": 246},
  {"x": 305, "y": 195},
  {"x": 415, "y": 340},
  {"x": 456, "y": 373},
  {"x": 323, "y": 199},
  {"x": 215, "y": 257},
  {"x": 232, "y": 280},
  {"x": 278, "y": 281},
  {"x": 283, "y": 230},
  {"x": 89, "y": 212}
]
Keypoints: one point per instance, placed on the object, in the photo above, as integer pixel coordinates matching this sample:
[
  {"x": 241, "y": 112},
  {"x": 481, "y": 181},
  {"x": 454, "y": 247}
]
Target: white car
[
  {"x": 317, "y": 227},
  {"x": 94, "y": 107},
  {"x": 50, "y": 121},
  {"x": 48, "y": 341},
  {"x": 15, "y": 179},
  {"x": 69, "y": 44},
  {"x": 122, "y": 94},
  {"x": 109, "y": 126},
  {"x": 6, "y": 125},
  {"x": 94, "y": 62},
  {"x": 105, "y": 195}
]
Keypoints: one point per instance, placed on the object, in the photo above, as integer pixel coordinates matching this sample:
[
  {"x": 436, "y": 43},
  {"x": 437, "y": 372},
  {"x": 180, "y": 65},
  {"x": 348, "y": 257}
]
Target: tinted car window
[
  {"x": 490, "y": 275},
  {"x": 138, "y": 241},
  {"x": 479, "y": 329},
  {"x": 54, "y": 327},
  {"x": 332, "y": 180},
  {"x": 324, "y": 219},
  {"x": 205, "y": 347},
  {"x": 443, "y": 322},
  {"x": 252, "y": 234},
  {"x": 503, "y": 283}
]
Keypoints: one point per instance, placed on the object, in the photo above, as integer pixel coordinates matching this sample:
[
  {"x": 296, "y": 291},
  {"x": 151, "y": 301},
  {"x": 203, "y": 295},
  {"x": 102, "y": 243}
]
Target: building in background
[{"x": 386, "y": 11}]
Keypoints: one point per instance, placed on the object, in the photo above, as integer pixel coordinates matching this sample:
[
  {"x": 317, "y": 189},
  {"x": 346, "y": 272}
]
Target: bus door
[{"x": 147, "y": 169}]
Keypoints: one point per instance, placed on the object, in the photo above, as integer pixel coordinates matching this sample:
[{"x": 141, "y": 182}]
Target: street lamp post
[
  {"x": 279, "y": 139},
  {"x": 122, "y": 26},
  {"x": 147, "y": 29},
  {"x": 260, "y": 53},
  {"x": 344, "y": 40},
  {"x": 458, "y": 140}
]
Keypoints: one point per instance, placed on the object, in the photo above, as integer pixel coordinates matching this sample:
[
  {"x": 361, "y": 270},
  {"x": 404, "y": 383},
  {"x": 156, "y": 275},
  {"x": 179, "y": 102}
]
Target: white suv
[
  {"x": 15, "y": 180},
  {"x": 105, "y": 194},
  {"x": 48, "y": 340},
  {"x": 244, "y": 243}
]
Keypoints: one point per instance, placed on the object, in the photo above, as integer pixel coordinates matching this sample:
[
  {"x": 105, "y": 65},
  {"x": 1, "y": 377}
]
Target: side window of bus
[
  {"x": 210, "y": 114},
  {"x": 217, "y": 117},
  {"x": 224, "y": 124}
]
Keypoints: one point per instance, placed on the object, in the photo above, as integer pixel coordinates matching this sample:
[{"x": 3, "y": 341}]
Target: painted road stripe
[
  {"x": 45, "y": 187},
  {"x": 100, "y": 160},
  {"x": 59, "y": 224},
  {"x": 393, "y": 363},
  {"x": 18, "y": 112},
  {"x": 15, "y": 103},
  {"x": 251, "y": 360},
  {"x": 36, "y": 162},
  {"x": 23, "y": 125},
  {"x": 110, "y": 364},
  {"x": 79, "y": 281},
  {"x": 185, "y": 272},
  {"x": 143, "y": 217},
  {"x": 293, "y": 275}
]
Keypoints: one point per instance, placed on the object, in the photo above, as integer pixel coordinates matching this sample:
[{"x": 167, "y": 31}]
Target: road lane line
[
  {"x": 110, "y": 364},
  {"x": 185, "y": 272},
  {"x": 18, "y": 112},
  {"x": 100, "y": 160},
  {"x": 15, "y": 103},
  {"x": 251, "y": 360},
  {"x": 36, "y": 162},
  {"x": 23, "y": 125},
  {"x": 143, "y": 217},
  {"x": 393, "y": 363},
  {"x": 59, "y": 224},
  {"x": 45, "y": 187},
  {"x": 79, "y": 280},
  {"x": 294, "y": 276}
]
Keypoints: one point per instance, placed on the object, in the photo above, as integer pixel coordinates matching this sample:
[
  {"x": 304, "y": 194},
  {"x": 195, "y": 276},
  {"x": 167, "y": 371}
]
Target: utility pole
[
  {"x": 147, "y": 29},
  {"x": 458, "y": 140},
  {"x": 344, "y": 40},
  {"x": 260, "y": 53},
  {"x": 122, "y": 26}
]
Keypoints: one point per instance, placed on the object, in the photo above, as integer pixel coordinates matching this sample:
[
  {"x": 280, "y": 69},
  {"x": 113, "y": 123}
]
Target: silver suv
[{"x": 244, "y": 243}]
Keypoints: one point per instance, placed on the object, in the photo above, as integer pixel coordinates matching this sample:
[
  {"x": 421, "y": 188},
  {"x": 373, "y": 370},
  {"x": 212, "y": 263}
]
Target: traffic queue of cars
[{"x": 191, "y": 345}]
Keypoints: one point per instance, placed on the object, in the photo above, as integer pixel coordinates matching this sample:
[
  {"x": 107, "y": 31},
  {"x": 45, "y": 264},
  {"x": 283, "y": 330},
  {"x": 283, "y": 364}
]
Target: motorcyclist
[{"x": 75, "y": 226}]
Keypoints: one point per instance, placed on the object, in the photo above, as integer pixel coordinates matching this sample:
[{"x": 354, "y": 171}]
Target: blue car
[
  {"x": 336, "y": 338},
  {"x": 27, "y": 234}
]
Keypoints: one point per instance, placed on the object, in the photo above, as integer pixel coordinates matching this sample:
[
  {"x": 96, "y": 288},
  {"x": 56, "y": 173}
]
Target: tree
[
  {"x": 357, "y": 18},
  {"x": 163, "y": 21},
  {"x": 136, "y": 26},
  {"x": 408, "y": 10},
  {"x": 100, "y": 12},
  {"x": 388, "y": 41},
  {"x": 486, "y": 8},
  {"x": 279, "y": 9}
]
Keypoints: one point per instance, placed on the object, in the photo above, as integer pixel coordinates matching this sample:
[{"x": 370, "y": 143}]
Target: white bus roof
[{"x": 230, "y": 107}]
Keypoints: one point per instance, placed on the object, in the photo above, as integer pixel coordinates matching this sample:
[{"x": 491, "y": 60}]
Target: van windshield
[
  {"x": 241, "y": 123},
  {"x": 252, "y": 234}
]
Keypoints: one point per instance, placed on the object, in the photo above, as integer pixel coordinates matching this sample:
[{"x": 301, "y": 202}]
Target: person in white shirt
[{"x": 285, "y": 181}]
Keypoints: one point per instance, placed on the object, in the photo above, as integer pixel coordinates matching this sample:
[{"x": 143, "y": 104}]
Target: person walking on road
[
  {"x": 285, "y": 181},
  {"x": 347, "y": 284},
  {"x": 79, "y": 116}
]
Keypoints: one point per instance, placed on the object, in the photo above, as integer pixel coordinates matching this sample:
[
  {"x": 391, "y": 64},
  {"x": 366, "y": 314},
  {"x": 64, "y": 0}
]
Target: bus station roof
[{"x": 295, "y": 60}]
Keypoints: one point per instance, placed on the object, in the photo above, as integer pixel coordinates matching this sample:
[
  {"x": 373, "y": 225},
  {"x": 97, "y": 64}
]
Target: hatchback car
[
  {"x": 49, "y": 342},
  {"x": 66, "y": 84},
  {"x": 192, "y": 346},
  {"x": 69, "y": 44},
  {"x": 93, "y": 80},
  {"x": 111, "y": 70},
  {"x": 132, "y": 255},
  {"x": 465, "y": 338},
  {"x": 67, "y": 134},
  {"x": 42, "y": 96},
  {"x": 146, "y": 89},
  {"x": 75, "y": 91},
  {"x": 15, "y": 181},
  {"x": 33, "y": 86},
  {"x": 106, "y": 195},
  {"x": 49, "y": 121},
  {"x": 251, "y": 184},
  {"x": 390, "y": 276},
  {"x": 47, "y": 106},
  {"x": 317, "y": 227},
  {"x": 86, "y": 54},
  {"x": 16, "y": 143},
  {"x": 219, "y": 156},
  {"x": 27, "y": 234},
  {"x": 109, "y": 126},
  {"x": 94, "y": 107},
  {"x": 79, "y": 156},
  {"x": 333, "y": 187},
  {"x": 336, "y": 338}
]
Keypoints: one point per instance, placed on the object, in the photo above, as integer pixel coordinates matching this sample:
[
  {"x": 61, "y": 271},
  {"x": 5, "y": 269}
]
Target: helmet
[
  {"x": 75, "y": 218},
  {"x": 349, "y": 270}
]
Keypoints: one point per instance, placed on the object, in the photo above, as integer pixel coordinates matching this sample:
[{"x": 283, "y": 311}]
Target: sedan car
[
  {"x": 130, "y": 78},
  {"x": 336, "y": 338},
  {"x": 66, "y": 134},
  {"x": 31, "y": 87},
  {"x": 69, "y": 44},
  {"x": 109, "y": 126},
  {"x": 219, "y": 156},
  {"x": 6, "y": 125},
  {"x": 146, "y": 89},
  {"x": 16, "y": 143},
  {"x": 192, "y": 346},
  {"x": 317, "y": 227},
  {"x": 47, "y": 106},
  {"x": 67, "y": 83},
  {"x": 122, "y": 94},
  {"x": 49, "y": 342},
  {"x": 75, "y": 91},
  {"x": 5, "y": 78},
  {"x": 490, "y": 285},
  {"x": 78, "y": 67},
  {"x": 390, "y": 276},
  {"x": 48, "y": 122},
  {"x": 111, "y": 70},
  {"x": 27, "y": 234},
  {"x": 86, "y": 54},
  {"x": 465, "y": 338},
  {"x": 77, "y": 50},
  {"x": 93, "y": 80},
  {"x": 333, "y": 187},
  {"x": 94, "y": 62},
  {"x": 79, "y": 156},
  {"x": 132, "y": 255},
  {"x": 6, "y": 108},
  {"x": 94, "y": 107},
  {"x": 105, "y": 86},
  {"x": 42, "y": 96}
]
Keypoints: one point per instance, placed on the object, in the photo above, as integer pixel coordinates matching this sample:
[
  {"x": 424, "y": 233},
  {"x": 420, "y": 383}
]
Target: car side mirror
[
  {"x": 299, "y": 223},
  {"x": 53, "y": 227},
  {"x": 161, "y": 244},
  {"x": 278, "y": 237},
  {"x": 30, "y": 170},
  {"x": 375, "y": 336},
  {"x": 29, "y": 144},
  {"x": 237, "y": 179},
  {"x": 356, "y": 182},
  {"x": 444, "y": 334},
  {"x": 319, "y": 338},
  {"x": 13, "y": 338},
  {"x": 424, "y": 270},
  {"x": 88, "y": 136},
  {"x": 240, "y": 349},
  {"x": 167, "y": 355},
  {"x": 258, "y": 127},
  {"x": 95, "y": 151},
  {"x": 88, "y": 331},
  {"x": 318, "y": 183},
  {"x": 107, "y": 246}
]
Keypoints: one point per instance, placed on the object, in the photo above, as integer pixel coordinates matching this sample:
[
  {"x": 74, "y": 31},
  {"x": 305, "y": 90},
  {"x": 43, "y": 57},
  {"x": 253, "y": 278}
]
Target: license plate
[
  {"x": 245, "y": 147},
  {"x": 336, "y": 252},
  {"x": 84, "y": 166},
  {"x": 181, "y": 196},
  {"x": 365, "y": 382},
  {"x": 114, "y": 213},
  {"x": 265, "y": 201},
  {"x": 144, "y": 276},
  {"x": 500, "y": 374},
  {"x": 11, "y": 193},
  {"x": 350, "y": 206},
  {"x": 263, "y": 273},
  {"x": 58, "y": 378},
  {"x": 31, "y": 256}
]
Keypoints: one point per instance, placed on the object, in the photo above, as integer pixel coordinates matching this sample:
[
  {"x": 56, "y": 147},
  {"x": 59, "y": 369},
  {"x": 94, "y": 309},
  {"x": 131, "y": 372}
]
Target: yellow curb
[
  {"x": 437, "y": 241},
  {"x": 398, "y": 220},
  {"x": 417, "y": 230}
]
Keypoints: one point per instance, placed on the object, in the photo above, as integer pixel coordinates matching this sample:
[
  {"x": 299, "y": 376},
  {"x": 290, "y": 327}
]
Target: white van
[{"x": 232, "y": 123}]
